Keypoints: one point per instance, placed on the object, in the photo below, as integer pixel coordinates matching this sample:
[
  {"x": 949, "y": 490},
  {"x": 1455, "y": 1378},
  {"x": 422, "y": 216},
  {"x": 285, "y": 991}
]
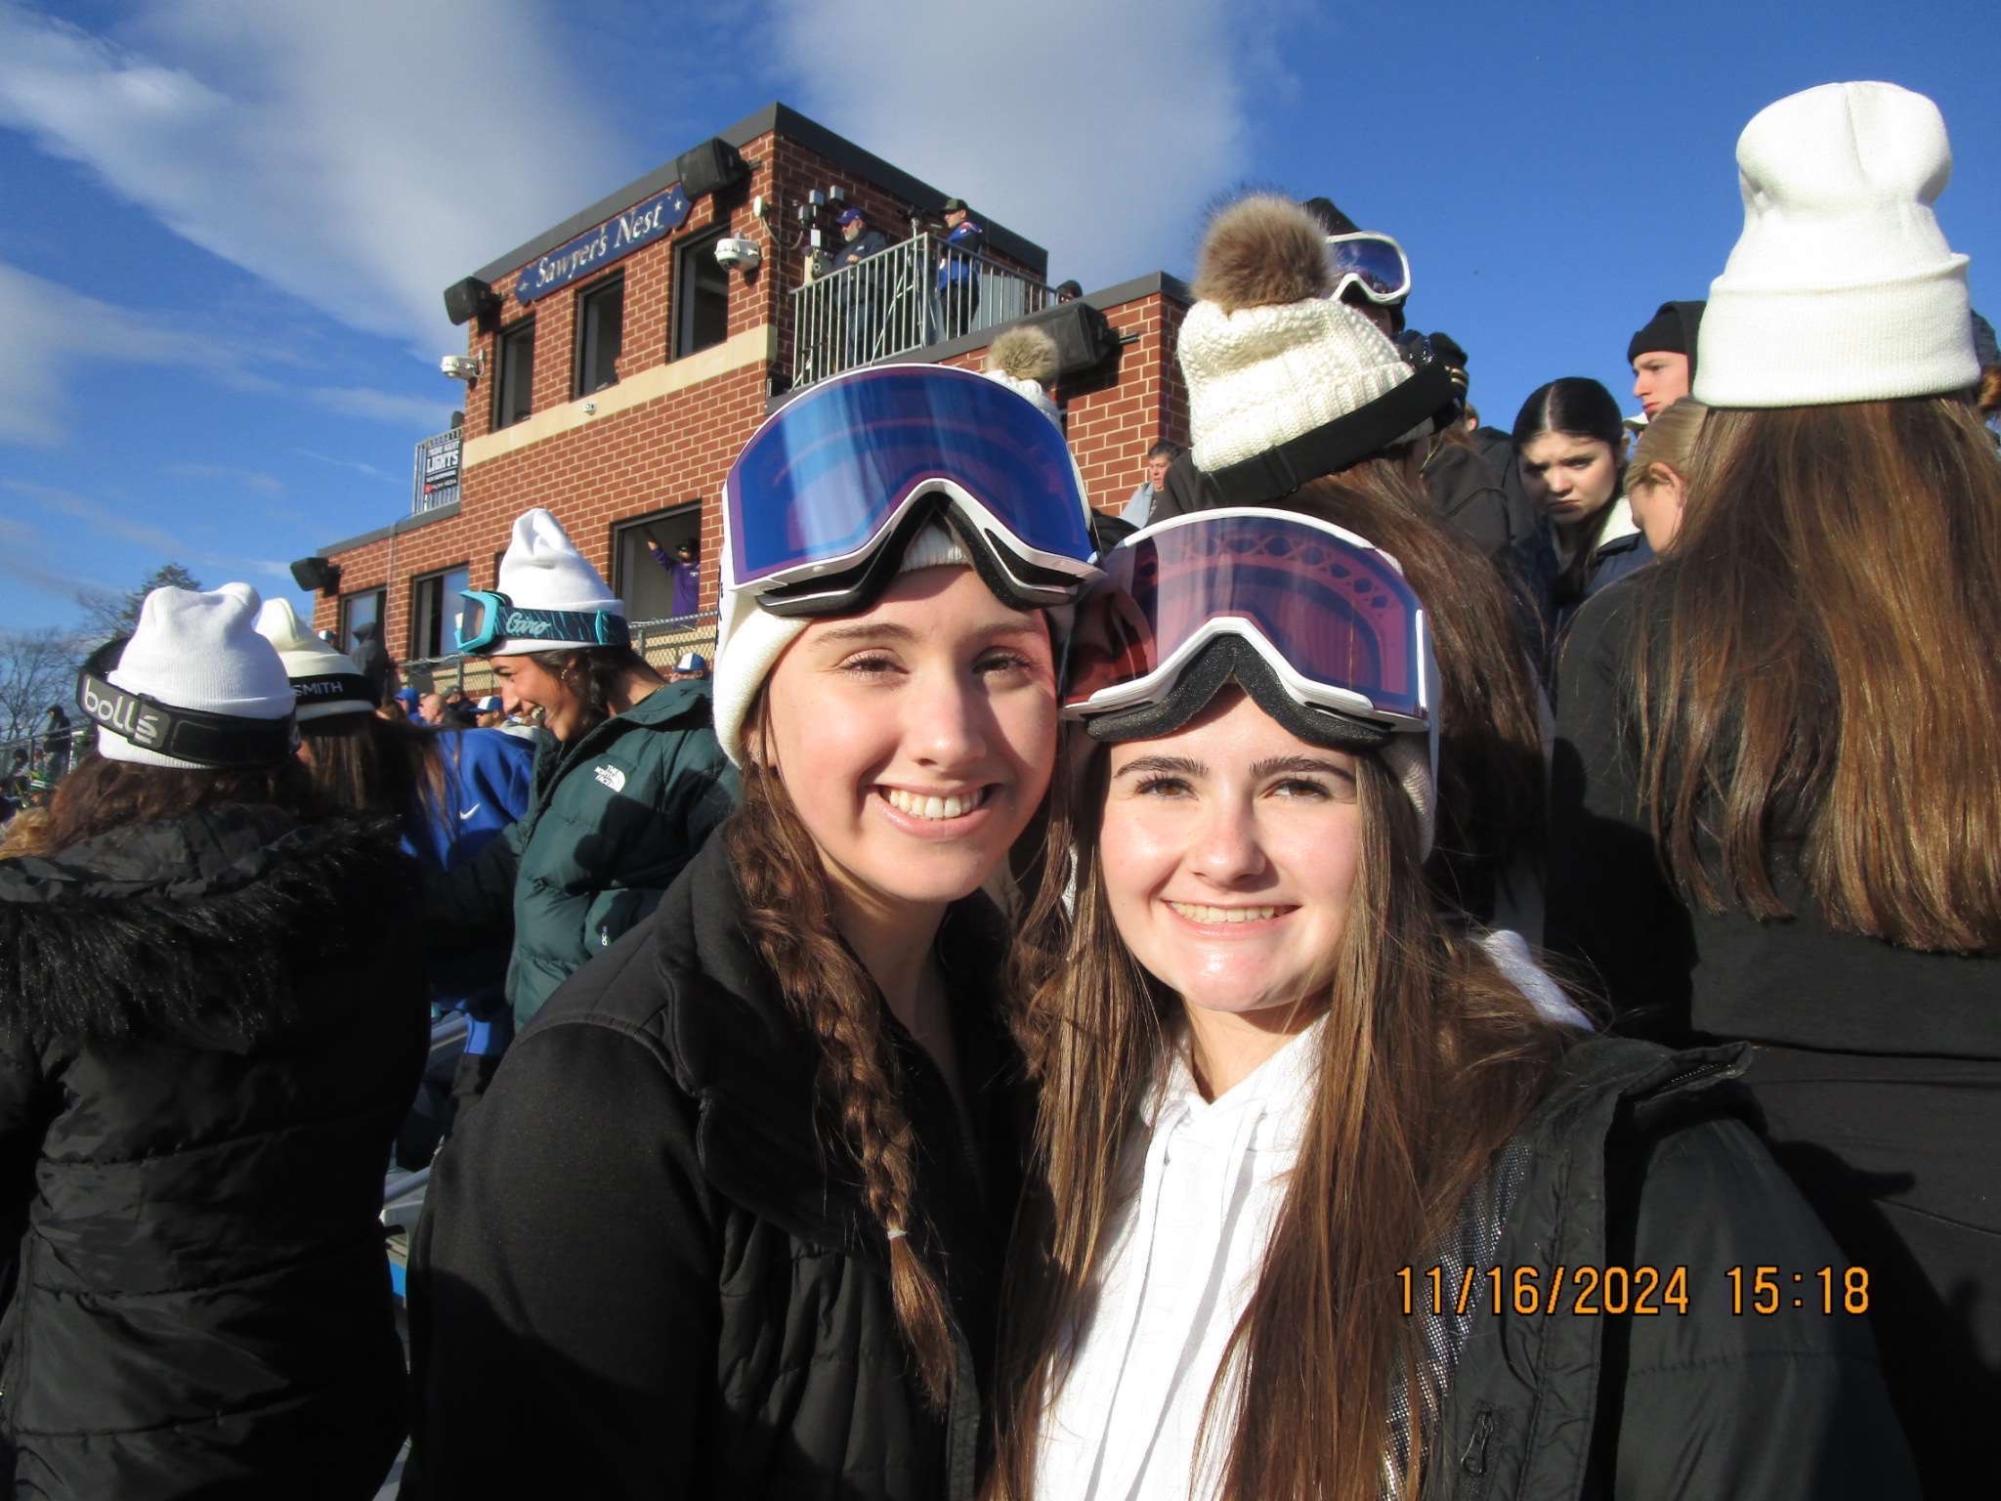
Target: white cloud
[
  {"x": 53, "y": 334},
  {"x": 1098, "y": 130},
  {"x": 51, "y": 500},
  {"x": 360, "y": 156}
]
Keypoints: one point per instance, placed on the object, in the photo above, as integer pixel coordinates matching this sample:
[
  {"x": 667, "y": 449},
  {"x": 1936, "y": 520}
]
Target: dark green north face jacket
[{"x": 616, "y": 815}]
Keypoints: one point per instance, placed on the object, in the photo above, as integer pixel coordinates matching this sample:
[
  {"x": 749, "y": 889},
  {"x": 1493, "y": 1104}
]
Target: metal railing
[
  {"x": 48, "y": 756},
  {"x": 660, "y": 642},
  {"x": 434, "y": 471},
  {"x": 914, "y": 294}
]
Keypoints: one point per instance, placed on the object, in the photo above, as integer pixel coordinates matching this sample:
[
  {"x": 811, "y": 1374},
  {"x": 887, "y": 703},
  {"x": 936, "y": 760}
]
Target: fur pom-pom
[
  {"x": 1023, "y": 354},
  {"x": 1262, "y": 251}
]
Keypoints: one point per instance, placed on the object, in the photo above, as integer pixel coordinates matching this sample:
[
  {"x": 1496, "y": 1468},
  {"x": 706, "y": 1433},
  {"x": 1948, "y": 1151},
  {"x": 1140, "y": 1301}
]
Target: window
[
  {"x": 514, "y": 387},
  {"x": 358, "y": 610},
  {"x": 701, "y": 295},
  {"x": 600, "y": 331},
  {"x": 434, "y": 611},
  {"x": 652, "y": 589}
]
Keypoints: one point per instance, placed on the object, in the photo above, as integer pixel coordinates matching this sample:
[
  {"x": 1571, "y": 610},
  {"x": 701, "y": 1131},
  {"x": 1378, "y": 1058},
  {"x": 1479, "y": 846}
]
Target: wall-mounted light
[{"x": 466, "y": 367}]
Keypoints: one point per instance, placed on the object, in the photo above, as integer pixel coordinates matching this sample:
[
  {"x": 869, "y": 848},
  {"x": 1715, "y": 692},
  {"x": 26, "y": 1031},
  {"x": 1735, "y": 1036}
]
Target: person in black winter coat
[
  {"x": 211, "y": 1022},
  {"x": 1775, "y": 813},
  {"x": 728, "y": 1222}
]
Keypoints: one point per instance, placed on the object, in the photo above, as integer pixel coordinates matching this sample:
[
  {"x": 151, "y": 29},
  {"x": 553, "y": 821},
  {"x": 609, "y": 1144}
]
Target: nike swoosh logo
[{"x": 468, "y": 812}]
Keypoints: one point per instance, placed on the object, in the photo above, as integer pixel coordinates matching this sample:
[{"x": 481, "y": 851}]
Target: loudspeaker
[
  {"x": 469, "y": 299},
  {"x": 713, "y": 164},
  {"x": 316, "y": 573},
  {"x": 1084, "y": 340}
]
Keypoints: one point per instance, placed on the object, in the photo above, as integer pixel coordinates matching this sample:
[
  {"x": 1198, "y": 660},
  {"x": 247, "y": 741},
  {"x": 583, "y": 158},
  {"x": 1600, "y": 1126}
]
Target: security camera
[
  {"x": 461, "y": 366},
  {"x": 738, "y": 255}
]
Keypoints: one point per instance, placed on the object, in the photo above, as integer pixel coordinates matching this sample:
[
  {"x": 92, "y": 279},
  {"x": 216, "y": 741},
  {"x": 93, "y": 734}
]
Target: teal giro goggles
[{"x": 489, "y": 618}]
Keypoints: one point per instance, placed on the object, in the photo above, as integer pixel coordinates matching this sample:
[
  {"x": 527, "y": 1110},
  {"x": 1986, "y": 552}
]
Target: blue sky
[{"x": 226, "y": 223}]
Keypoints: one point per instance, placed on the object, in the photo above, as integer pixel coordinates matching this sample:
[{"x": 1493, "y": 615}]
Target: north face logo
[{"x": 611, "y": 776}]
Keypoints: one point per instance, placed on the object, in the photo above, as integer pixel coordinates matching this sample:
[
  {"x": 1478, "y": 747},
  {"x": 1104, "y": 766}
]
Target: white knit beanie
[
  {"x": 1268, "y": 355},
  {"x": 1841, "y": 287},
  {"x": 197, "y": 651},
  {"x": 750, "y": 640},
  {"x": 542, "y": 570},
  {"x": 325, "y": 681}
]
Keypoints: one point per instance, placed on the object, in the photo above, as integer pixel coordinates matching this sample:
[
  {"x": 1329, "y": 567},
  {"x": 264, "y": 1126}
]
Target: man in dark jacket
[
  {"x": 863, "y": 294},
  {"x": 1663, "y": 355},
  {"x": 373, "y": 661}
]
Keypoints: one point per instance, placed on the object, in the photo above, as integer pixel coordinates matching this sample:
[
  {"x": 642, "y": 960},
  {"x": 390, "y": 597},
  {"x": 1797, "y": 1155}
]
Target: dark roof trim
[
  {"x": 396, "y": 528},
  {"x": 1141, "y": 286},
  {"x": 794, "y": 126}
]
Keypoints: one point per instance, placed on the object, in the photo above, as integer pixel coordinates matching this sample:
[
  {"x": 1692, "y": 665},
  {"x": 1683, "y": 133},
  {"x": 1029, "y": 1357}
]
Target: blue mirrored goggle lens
[
  {"x": 1378, "y": 264},
  {"x": 824, "y": 476}
]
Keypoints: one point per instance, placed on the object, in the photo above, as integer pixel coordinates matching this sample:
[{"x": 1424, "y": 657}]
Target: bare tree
[
  {"x": 107, "y": 615},
  {"x": 37, "y": 668}
]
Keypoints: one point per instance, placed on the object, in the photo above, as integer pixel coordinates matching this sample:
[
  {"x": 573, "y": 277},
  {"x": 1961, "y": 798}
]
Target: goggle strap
[
  {"x": 1232, "y": 659},
  {"x": 214, "y": 740},
  {"x": 1335, "y": 445},
  {"x": 507, "y": 621},
  {"x": 329, "y": 687}
]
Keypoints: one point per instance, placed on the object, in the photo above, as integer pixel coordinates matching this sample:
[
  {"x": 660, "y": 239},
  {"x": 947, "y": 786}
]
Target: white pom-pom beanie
[
  {"x": 325, "y": 681},
  {"x": 542, "y": 570},
  {"x": 197, "y": 651},
  {"x": 750, "y": 641},
  {"x": 1841, "y": 287},
  {"x": 1259, "y": 377}
]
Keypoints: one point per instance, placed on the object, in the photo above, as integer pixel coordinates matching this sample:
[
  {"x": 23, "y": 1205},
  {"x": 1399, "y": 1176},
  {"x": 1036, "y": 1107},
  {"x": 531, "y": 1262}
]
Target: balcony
[
  {"x": 891, "y": 304},
  {"x": 434, "y": 474}
]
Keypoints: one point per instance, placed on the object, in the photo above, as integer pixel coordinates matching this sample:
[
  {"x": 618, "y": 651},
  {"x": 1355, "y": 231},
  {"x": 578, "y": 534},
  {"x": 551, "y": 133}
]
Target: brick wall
[
  {"x": 1114, "y": 415},
  {"x": 677, "y": 447}
]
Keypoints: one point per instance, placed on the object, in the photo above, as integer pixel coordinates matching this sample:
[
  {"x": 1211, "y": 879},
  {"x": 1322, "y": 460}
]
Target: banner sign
[
  {"x": 441, "y": 460},
  {"x": 595, "y": 249}
]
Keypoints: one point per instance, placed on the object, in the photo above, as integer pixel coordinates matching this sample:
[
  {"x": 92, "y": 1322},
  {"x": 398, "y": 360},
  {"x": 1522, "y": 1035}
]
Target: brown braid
[{"x": 789, "y": 915}]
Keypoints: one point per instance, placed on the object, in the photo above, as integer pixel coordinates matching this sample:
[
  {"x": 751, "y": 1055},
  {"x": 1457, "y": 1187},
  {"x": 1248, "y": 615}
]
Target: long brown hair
[
  {"x": 101, "y": 795},
  {"x": 789, "y": 915},
  {"x": 1428, "y": 1063},
  {"x": 1818, "y": 664},
  {"x": 1491, "y": 782},
  {"x": 368, "y": 764}
]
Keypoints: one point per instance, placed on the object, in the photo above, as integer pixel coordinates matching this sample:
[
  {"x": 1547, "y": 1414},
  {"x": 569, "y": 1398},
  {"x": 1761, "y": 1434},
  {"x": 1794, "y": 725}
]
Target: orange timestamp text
[{"x": 1622, "y": 1291}]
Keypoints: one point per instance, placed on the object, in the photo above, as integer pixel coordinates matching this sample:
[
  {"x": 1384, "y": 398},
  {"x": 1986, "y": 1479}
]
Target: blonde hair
[{"x": 1669, "y": 440}]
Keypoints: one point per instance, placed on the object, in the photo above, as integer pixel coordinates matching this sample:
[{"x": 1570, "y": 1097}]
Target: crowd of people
[{"x": 1417, "y": 960}]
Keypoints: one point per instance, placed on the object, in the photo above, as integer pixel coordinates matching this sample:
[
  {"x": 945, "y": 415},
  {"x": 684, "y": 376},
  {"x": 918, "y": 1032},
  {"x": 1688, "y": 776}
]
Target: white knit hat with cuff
[
  {"x": 325, "y": 681},
  {"x": 198, "y": 651},
  {"x": 1841, "y": 287},
  {"x": 542, "y": 570},
  {"x": 751, "y": 640}
]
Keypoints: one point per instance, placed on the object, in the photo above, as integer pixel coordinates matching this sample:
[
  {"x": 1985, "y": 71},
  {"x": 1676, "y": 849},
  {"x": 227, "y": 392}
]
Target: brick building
[{"x": 621, "y": 366}]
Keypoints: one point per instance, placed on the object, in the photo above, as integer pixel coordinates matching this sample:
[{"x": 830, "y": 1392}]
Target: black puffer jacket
[
  {"x": 641, "y": 1273},
  {"x": 1715, "y": 1386},
  {"x": 209, "y": 1029}
]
